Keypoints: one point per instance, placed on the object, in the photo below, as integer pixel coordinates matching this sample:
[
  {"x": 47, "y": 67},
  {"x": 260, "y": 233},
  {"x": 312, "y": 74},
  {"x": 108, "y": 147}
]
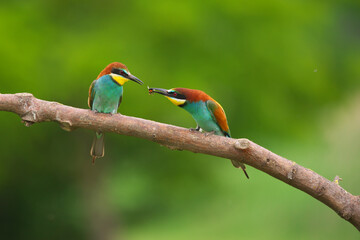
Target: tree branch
[{"x": 33, "y": 110}]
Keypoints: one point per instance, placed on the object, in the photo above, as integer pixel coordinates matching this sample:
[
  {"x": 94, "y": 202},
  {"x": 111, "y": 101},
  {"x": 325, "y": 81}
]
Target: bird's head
[
  {"x": 180, "y": 96},
  {"x": 119, "y": 73}
]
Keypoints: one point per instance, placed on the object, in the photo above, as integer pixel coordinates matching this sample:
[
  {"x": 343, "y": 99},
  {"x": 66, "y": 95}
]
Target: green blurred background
[{"x": 286, "y": 72}]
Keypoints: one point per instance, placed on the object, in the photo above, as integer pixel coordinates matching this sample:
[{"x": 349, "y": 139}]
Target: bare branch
[{"x": 33, "y": 110}]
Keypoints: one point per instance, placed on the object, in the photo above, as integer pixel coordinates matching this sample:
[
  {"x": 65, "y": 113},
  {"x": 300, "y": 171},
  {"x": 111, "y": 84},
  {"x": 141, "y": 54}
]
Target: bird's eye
[
  {"x": 175, "y": 94},
  {"x": 123, "y": 72}
]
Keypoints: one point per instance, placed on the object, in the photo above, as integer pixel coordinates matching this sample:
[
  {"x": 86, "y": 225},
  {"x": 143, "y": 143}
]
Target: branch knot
[
  {"x": 291, "y": 173},
  {"x": 242, "y": 144},
  {"x": 29, "y": 116}
]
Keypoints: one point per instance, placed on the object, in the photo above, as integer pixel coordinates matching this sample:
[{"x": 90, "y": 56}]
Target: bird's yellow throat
[
  {"x": 175, "y": 101},
  {"x": 119, "y": 79}
]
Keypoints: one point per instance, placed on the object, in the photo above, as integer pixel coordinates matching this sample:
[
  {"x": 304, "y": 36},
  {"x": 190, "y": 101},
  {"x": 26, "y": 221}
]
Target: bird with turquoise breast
[
  {"x": 105, "y": 96},
  {"x": 208, "y": 113}
]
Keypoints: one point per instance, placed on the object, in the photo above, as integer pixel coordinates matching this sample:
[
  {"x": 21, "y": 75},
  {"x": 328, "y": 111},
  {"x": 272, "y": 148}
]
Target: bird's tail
[
  {"x": 238, "y": 164},
  {"x": 97, "y": 148}
]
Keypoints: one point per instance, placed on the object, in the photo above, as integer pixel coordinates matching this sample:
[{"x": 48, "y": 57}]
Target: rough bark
[{"x": 33, "y": 110}]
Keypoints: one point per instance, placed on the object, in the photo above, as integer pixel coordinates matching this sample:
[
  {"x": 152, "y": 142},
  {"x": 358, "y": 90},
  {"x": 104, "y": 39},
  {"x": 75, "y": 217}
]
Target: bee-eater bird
[
  {"x": 105, "y": 95},
  {"x": 208, "y": 113}
]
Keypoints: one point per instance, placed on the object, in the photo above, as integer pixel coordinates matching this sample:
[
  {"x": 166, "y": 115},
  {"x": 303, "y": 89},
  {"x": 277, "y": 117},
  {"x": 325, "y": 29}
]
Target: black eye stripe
[
  {"x": 115, "y": 70},
  {"x": 177, "y": 95},
  {"x": 119, "y": 72}
]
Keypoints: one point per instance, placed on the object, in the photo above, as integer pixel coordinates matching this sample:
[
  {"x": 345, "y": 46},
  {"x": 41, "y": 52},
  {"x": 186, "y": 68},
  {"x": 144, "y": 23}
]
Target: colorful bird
[
  {"x": 105, "y": 95},
  {"x": 208, "y": 113}
]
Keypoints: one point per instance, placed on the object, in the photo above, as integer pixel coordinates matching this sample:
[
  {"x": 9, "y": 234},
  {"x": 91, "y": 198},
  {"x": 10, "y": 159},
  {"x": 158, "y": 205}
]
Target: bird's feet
[
  {"x": 96, "y": 112},
  {"x": 197, "y": 129}
]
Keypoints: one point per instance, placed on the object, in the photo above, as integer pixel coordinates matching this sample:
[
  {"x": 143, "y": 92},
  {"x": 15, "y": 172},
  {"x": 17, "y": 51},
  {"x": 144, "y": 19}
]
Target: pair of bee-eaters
[{"x": 105, "y": 96}]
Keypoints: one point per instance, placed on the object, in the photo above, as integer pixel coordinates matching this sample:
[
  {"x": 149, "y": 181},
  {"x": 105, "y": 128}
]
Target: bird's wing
[
  {"x": 218, "y": 114},
  {"x": 91, "y": 94}
]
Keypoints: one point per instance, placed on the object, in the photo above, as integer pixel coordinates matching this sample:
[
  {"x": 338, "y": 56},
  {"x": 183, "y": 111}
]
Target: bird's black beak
[
  {"x": 135, "y": 79},
  {"x": 158, "y": 90}
]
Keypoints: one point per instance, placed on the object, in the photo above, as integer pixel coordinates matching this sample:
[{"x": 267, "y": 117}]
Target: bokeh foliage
[{"x": 286, "y": 72}]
